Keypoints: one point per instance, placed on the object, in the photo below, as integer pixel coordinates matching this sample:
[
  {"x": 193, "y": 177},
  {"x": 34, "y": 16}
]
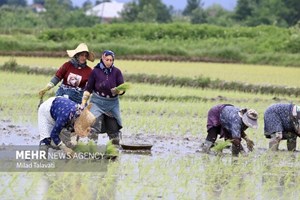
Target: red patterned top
[{"x": 73, "y": 77}]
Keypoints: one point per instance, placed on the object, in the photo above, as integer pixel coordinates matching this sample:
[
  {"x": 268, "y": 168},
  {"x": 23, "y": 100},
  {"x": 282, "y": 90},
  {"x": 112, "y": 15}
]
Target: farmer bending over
[
  {"x": 102, "y": 84},
  {"x": 57, "y": 113},
  {"x": 282, "y": 123},
  {"x": 74, "y": 74},
  {"x": 229, "y": 122}
]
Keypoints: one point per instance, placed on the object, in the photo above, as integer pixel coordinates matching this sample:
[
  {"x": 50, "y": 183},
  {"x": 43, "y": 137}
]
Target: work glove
[
  {"x": 114, "y": 91},
  {"x": 85, "y": 98},
  {"x": 69, "y": 152},
  {"x": 250, "y": 144},
  {"x": 53, "y": 145},
  {"x": 44, "y": 90},
  {"x": 69, "y": 138},
  {"x": 73, "y": 139}
]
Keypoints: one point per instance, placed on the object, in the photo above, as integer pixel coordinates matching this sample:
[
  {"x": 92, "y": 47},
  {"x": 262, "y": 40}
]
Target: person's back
[
  {"x": 277, "y": 118},
  {"x": 231, "y": 121},
  {"x": 280, "y": 124}
]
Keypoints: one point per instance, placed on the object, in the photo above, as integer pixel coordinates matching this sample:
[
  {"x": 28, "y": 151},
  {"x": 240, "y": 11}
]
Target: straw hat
[
  {"x": 83, "y": 123},
  {"x": 81, "y": 48},
  {"x": 249, "y": 117}
]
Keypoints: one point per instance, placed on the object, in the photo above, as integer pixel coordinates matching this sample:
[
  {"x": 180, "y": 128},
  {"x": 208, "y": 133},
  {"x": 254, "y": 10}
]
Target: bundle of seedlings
[
  {"x": 218, "y": 147},
  {"x": 124, "y": 87},
  {"x": 111, "y": 149},
  {"x": 89, "y": 147},
  {"x": 109, "y": 152}
]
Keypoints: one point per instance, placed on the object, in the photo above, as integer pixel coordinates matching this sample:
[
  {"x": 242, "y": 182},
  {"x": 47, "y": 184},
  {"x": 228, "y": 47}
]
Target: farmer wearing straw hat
[
  {"x": 102, "y": 84},
  {"x": 282, "y": 122},
  {"x": 74, "y": 74},
  {"x": 58, "y": 113},
  {"x": 231, "y": 123}
]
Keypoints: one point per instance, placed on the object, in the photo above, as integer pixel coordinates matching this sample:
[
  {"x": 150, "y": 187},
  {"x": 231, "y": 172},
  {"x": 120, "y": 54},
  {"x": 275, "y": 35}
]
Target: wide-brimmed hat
[
  {"x": 85, "y": 120},
  {"x": 249, "y": 117},
  {"x": 81, "y": 48}
]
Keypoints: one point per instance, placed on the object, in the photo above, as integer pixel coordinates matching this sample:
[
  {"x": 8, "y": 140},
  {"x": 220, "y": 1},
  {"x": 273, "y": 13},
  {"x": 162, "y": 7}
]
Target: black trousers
[
  {"x": 213, "y": 133},
  {"x": 106, "y": 124}
]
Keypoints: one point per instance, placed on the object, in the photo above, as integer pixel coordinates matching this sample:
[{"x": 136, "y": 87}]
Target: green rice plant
[
  {"x": 111, "y": 149},
  {"x": 219, "y": 146},
  {"x": 124, "y": 87},
  {"x": 89, "y": 147}
]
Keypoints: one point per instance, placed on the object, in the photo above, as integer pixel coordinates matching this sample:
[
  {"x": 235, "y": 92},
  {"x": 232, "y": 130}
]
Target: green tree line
[{"x": 61, "y": 13}]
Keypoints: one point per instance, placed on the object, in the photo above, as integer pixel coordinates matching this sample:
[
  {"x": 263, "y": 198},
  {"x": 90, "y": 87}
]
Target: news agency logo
[
  {"x": 55, "y": 155},
  {"x": 22, "y": 158},
  {"x": 31, "y": 155}
]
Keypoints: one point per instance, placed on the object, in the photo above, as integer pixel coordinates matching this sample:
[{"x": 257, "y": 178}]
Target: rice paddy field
[{"x": 174, "y": 116}]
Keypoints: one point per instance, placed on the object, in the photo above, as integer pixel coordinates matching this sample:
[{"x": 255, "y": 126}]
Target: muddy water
[
  {"x": 11, "y": 134},
  {"x": 172, "y": 170}
]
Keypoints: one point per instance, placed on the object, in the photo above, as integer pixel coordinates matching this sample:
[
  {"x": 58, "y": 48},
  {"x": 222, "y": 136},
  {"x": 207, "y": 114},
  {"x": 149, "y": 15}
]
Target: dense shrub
[{"x": 261, "y": 45}]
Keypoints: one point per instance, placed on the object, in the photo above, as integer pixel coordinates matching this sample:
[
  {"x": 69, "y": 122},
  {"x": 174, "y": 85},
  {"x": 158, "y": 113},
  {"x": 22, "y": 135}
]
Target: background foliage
[{"x": 174, "y": 41}]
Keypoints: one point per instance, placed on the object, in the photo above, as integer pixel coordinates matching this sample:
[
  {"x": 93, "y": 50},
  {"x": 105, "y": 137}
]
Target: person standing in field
[
  {"x": 74, "y": 74},
  {"x": 282, "y": 122},
  {"x": 102, "y": 84},
  {"x": 230, "y": 123}
]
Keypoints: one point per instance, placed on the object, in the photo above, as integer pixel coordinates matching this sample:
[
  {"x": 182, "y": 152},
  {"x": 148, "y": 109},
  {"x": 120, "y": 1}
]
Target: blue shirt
[
  {"x": 277, "y": 118},
  {"x": 62, "y": 111},
  {"x": 231, "y": 121}
]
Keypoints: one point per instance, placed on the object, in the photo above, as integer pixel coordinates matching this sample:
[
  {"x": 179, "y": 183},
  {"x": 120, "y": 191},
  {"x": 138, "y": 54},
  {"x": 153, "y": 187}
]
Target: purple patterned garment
[
  {"x": 213, "y": 116},
  {"x": 277, "y": 118},
  {"x": 101, "y": 83},
  {"x": 226, "y": 116}
]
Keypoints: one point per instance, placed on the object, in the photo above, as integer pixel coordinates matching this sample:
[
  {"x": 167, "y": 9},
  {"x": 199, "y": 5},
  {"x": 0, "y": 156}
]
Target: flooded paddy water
[
  {"x": 173, "y": 119},
  {"x": 174, "y": 169}
]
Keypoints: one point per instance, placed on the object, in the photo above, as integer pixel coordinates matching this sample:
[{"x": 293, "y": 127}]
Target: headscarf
[
  {"x": 76, "y": 62},
  {"x": 101, "y": 64}
]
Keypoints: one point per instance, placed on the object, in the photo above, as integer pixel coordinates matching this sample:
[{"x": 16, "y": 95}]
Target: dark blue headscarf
[
  {"x": 101, "y": 64},
  {"x": 109, "y": 53}
]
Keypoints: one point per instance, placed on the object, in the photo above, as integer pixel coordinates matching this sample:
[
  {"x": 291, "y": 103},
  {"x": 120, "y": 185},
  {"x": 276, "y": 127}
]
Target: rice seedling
[
  {"x": 111, "y": 149},
  {"x": 220, "y": 145},
  {"x": 124, "y": 87},
  {"x": 89, "y": 147}
]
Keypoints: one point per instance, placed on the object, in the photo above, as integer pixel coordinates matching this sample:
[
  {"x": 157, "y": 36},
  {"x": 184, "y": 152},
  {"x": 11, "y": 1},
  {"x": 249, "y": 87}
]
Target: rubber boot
[
  {"x": 114, "y": 137},
  {"x": 274, "y": 143},
  {"x": 206, "y": 146},
  {"x": 235, "y": 149},
  {"x": 291, "y": 143},
  {"x": 93, "y": 137}
]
